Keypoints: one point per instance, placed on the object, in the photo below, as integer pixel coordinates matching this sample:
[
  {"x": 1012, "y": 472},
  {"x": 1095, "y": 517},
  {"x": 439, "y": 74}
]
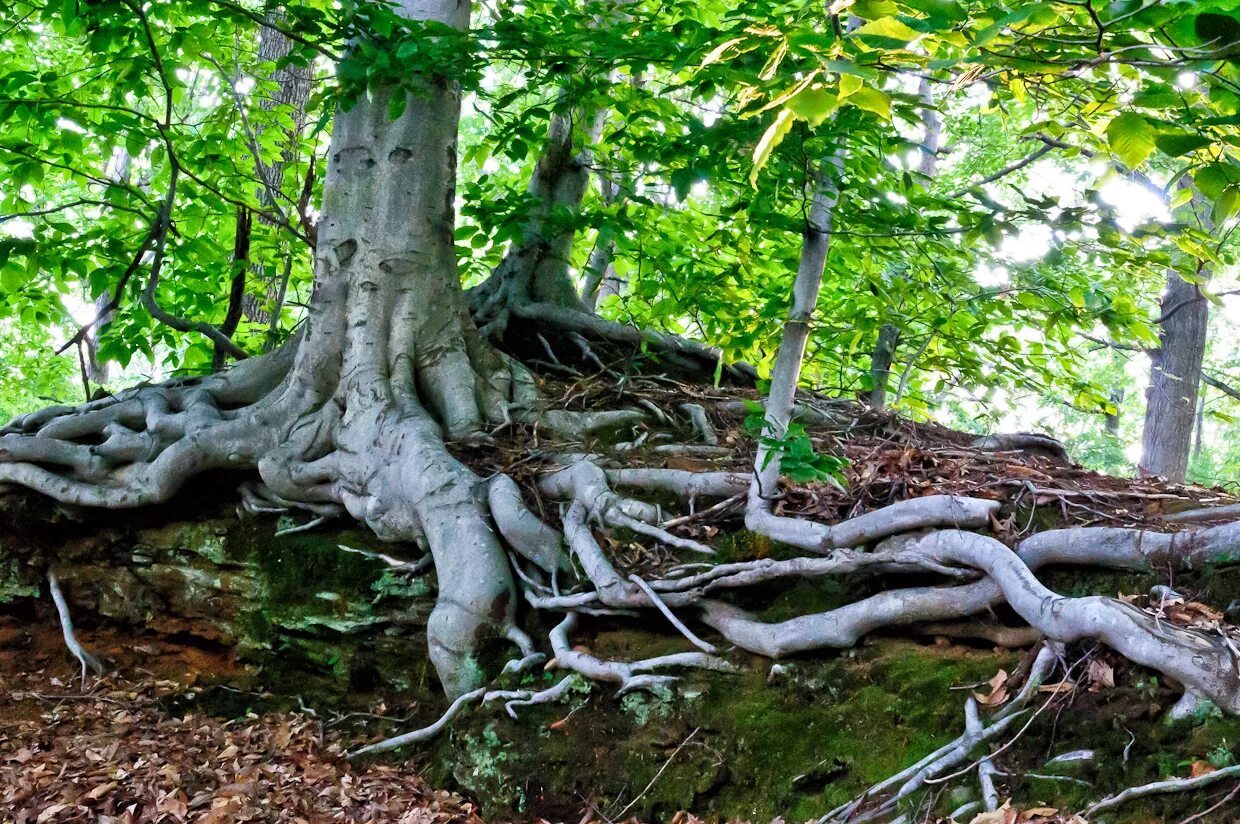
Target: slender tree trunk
[
  {"x": 236, "y": 294},
  {"x": 600, "y": 275},
  {"x": 1175, "y": 373},
  {"x": 293, "y": 84},
  {"x": 1111, "y": 424},
  {"x": 880, "y": 364},
  {"x": 786, "y": 374},
  {"x": 890, "y": 334}
]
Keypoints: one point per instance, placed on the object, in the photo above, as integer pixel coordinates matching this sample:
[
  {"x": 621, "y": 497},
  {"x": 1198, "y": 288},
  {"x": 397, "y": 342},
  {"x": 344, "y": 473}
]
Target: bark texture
[
  {"x": 1175, "y": 380},
  {"x": 292, "y": 91},
  {"x": 1175, "y": 368}
]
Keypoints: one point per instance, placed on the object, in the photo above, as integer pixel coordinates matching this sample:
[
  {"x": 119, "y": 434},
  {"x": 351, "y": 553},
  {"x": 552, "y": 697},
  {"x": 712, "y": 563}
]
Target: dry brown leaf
[
  {"x": 998, "y": 690},
  {"x": 1200, "y": 768},
  {"x": 51, "y": 812},
  {"x": 1101, "y": 675},
  {"x": 1003, "y": 815},
  {"x": 1058, "y": 687}
]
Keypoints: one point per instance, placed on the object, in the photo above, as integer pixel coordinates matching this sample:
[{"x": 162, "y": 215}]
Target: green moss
[
  {"x": 648, "y": 705},
  {"x": 14, "y": 583}
]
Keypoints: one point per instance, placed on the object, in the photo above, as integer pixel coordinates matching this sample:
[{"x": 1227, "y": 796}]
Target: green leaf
[
  {"x": 848, "y": 84},
  {"x": 872, "y": 100},
  {"x": 1213, "y": 178},
  {"x": 1175, "y": 144},
  {"x": 813, "y": 105},
  {"x": 772, "y": 137},
  {"x": 889, "y": 28},
  {"x": 1131, "y": 138},
  {"x": 397, "y": 103}
]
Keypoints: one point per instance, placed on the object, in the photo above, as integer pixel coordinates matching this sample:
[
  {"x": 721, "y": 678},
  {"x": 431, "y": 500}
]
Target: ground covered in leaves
[{"x": 131, "y": 748}]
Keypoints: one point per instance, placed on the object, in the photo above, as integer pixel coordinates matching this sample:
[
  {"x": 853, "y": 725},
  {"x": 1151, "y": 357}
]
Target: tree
[
  {"x": 397, "y": 371},
  {"x": 1175, "y": 366}
]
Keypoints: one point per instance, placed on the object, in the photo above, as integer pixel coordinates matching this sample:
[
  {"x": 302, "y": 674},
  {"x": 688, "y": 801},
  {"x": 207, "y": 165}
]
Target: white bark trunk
[{"x": 786, "y": 374}]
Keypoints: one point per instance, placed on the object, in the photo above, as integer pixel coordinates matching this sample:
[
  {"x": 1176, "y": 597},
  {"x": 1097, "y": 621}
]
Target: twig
[
  {"x": 670, "y": 758},
  {"x": 670, "y": 616}
]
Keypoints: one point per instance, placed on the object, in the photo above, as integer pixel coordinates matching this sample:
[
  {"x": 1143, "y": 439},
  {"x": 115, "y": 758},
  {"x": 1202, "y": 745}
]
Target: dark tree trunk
[
  {"x": 236, "y": 294},
  {"x": 1175, "y": 378},
  {"x": 880, "y": 365},
  {"x": 292, "y": 94},
  {"x": 889, "y": 335},
  {"x": 1111, "y": 425}
]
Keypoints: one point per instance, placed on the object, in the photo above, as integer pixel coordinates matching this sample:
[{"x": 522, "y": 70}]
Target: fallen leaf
[
  {"x": 998, "y": 690},
  {"x": 1200, "y": 768},
  {"x": 1003, "y": 815},
  {"x": 1101, "y": 675}
]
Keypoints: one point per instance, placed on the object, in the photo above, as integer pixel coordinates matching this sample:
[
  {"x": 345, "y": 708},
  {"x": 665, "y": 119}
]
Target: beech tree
[{"x": 759, "y": 200}]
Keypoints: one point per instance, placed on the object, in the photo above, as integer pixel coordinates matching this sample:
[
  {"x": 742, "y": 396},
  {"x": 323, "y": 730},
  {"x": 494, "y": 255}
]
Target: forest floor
[{"x": 130, "y": 748}]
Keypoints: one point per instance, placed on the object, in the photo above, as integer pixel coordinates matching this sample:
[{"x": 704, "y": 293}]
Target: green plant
[{"x": 798, "y": 461}]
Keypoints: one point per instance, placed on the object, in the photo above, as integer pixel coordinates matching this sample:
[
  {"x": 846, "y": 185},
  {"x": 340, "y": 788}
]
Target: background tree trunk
[
  {"x": 1175, "y": 370},
  {"x": 889, "y": 335},
  {"x": 1111, "y": 423},
  {"x": 291, "y": 95},
  {"x": 1175, "y": 378},
  {"x": 880, "y": 364}
]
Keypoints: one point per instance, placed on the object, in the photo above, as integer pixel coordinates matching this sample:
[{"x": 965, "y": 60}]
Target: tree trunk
[
  {"x": 536, "y": 269},
  {"x": 889, "y": 335},
  {"x": 350, "y": 415},
  {"x": 786, "y": 374},
  {"x": 291, "y": 95},
  {"x": 1175, "y": 377},
  {"x": 880, "y": 365},
  {"x": 1111, "y": 424},
  {"x": 600, "y": 275}
]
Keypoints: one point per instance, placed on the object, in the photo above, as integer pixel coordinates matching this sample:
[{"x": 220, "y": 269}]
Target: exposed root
[
  {"x": 701, "y": 423},
  {"x": 1023, "y": 442},
  {"x": 1200, "y": 663},
  {"x": 904, "y": 516},
  {"x": 1171, "y": 785},
  {"x": 670, "y": 616},
  {"x": 524, "y": 531},
  {"x": 66, "y": 627},
  {"x": 1210, "y": 513},
  {"x": 585, "y": 483},
  {"x": 454, "y": 709},
  {"x": 629, "y": 676},
  {"x": 950, "y": 755},
  {"x": 1000, "y": 636}
]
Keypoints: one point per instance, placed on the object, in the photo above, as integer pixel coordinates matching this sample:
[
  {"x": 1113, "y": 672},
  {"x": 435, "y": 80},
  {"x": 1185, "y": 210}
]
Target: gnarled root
[
  {"x": 631, "y": 675},
  {"x": 903, "y": 516}
]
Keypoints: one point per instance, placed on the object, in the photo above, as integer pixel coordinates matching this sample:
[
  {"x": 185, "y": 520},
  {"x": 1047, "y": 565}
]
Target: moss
[
  {"x": 648, "y": 705},
  {"x": 750, "y": 750},
  {"x": 14, "y": 582}
]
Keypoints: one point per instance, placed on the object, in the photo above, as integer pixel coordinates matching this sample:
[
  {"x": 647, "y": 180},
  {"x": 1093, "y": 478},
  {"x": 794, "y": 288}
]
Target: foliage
[{"x": 798, "y": 461}]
